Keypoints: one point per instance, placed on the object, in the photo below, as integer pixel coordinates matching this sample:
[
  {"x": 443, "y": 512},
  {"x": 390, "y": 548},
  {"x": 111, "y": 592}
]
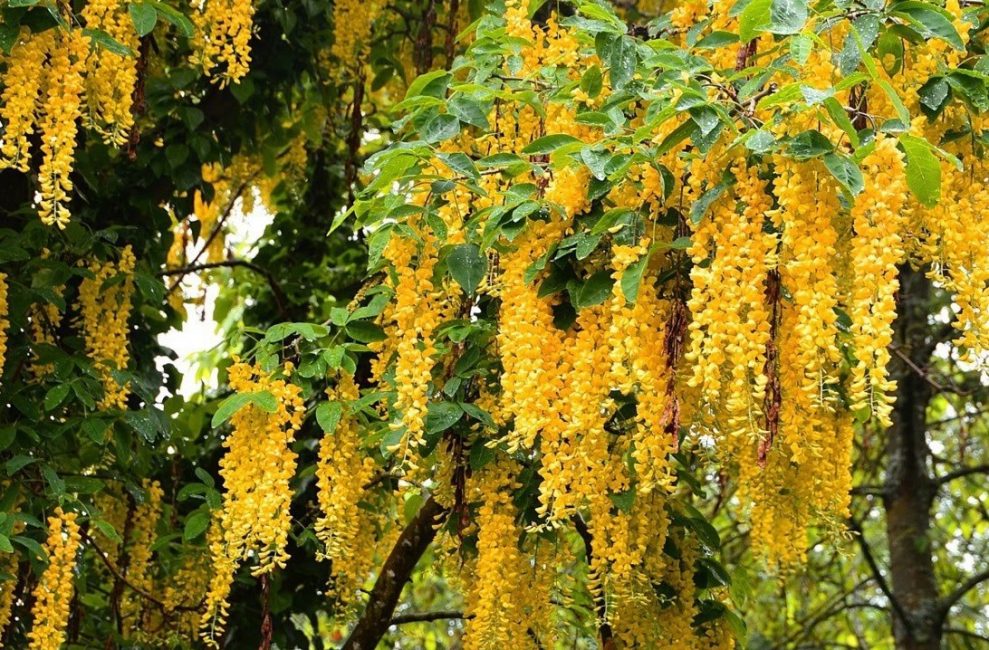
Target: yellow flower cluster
[
  {"x": 342, "y": 475},
  {"x": 415, "y": 316},
  {"x": 353, "y": 21},
  {"x": 62, "y": 108},
  {"x": 257, "y": 469},
  {"x": 508, "y": 590},
  {"x": 53, "y": 594},
  {"x": 21, "y": 97},
  {"x": 185, "y": 589},
  {"x": 8, "y": 565},
  {"x": 104, "y": 315},
  {"x": 877, "y": 249},
  {"x": 223, "y": 38},
  {"x": 4, "y": 322},
  {"x": 140, "y": 571},
  {"x": 111, "y": 77}
]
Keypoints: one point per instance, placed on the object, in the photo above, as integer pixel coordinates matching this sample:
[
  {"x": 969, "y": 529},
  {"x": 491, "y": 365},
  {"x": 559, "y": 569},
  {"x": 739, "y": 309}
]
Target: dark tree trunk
[{"x": 910, "y": 486}]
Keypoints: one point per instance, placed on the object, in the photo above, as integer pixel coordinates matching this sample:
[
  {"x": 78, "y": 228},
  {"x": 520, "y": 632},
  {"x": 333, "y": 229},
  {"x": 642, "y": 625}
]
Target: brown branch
[
  {"x": 961, "y": 473},
  {"x": 276, "y": 288},
  {"x": 216, "y": 230},
  {"x": 600, "y": 605},
  {"x": 266, "y": 625},
  {"x": 774, "y": 395},
  {"x": 959, "y": 592},
  {"x": 870, "y": 559},
  {"x": 395, "y": 572},
  {"x": 428, "y": 617},
  {"x": 137, "y": 590}
]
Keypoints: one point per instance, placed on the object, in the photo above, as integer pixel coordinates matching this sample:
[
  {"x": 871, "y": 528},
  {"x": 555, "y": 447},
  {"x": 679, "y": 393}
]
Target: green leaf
[
  {"x": 144, "y": 16},
  {"x": 841, "y": 119},
  {"x": 548, "y": 143},
  {"x": 108, "y": 42},
  {"x": 440, "y": 416},
  {"x": 931, "y": 21},
  {"x": 18, "y": 462},
  {"x": 22, "y": 3},
  {"x": 365, "y": 331},
  {"x": 923, "y": 170},
  {"x": 175, "y": 17},
  {"x": 845, "y": 171},
  {"x": 195, "y": 525},
  {"x": 632, "y": 277},
  {"x": 468, "y": 266},
  {"x": 755, "y": 18},
  {"x": 107, "y": 529},
  {"x": 328, "y": 416},
  {"x": 56, "y": 395},
  {"x": 5, "y": 545},
  {"x": 706, "y": 200},
  {"x": 901, "y": 111},
  {"x": 441, "y": 127},
  {"x": 264, "y": 400},
  {"x": 809, "y": 144},
  {"x": 590, "y": 81},
  {"x": 787, "y": 16},
  {"x": 592, "y": 291},
  {"x": 622, "y": 61},
  {"x": 431, "y": 84}
]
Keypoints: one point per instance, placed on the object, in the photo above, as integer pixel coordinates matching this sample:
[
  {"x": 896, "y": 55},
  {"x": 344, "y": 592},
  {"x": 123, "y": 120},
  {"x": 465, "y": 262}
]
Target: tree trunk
[{"x": 910, "y": 487}]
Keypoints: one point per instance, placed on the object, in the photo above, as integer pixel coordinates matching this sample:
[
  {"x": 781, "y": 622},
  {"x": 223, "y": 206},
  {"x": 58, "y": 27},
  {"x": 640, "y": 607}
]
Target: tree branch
[
  {"x": 137, "y": 590},
  {"x": 960, "y": 473},
  {"x": 966, "y": 586},
  {"x": 877, "y": 573},
  {"x": 428, "y": 617},
  {"x": 604, "y": 628},
  {"x": 395, "y": 572},
  {"x": 276, "y": 288}
]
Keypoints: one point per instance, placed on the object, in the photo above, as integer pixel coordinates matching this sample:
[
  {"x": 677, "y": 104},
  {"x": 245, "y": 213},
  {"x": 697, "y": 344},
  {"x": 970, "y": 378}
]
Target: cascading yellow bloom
[
  {"x": 223, "y": 38},
  {"x": 352, "y": 24},
  {"x": 140, "y": 571},
  {"x": 104, "y": 315},
  {"x": 111, "y": 77},
  {"x": 4, "y": 322},
  {"x": 257, "y": 469},
  {"x": 877, "y": 249},
  {"x": 59, "y": 126},
  {"x": 416, "y": 315},
  {"x": 53, "y": 594},
  {"x": 507, "y": 593},
  {"x": 23, "y": 84},
  {"x": 8, "y": 565},
  {"x": 342, "y": 474}
]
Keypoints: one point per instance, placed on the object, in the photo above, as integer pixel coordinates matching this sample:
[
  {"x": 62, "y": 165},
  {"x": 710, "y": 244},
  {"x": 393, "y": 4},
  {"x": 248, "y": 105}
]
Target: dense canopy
[{"x": 655, "y": 324}]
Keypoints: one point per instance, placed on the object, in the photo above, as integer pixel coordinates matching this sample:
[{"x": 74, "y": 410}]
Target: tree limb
[
  {"x": 395, "y": 572},
  {"x": 877, "y": 573},
  {"x": 604, "y": 628},
  {"x": 959, "y": 592},
  {"x": 427, "y": 617},
  {"x": 276, "y": 288},
  {"x": 960, "y": 473}
]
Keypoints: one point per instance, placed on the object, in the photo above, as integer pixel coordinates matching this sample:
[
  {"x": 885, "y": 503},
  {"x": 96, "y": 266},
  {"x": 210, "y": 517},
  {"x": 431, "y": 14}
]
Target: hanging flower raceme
[
  {"x": 140, "y": 571},
  {"x": 104, "y": 316},
  {"x": 59, "y": 125},
  {"x": 111, "y": 77},
  {"x": 223, "y": 38},
  {"x": 342, "y": 474},
  {"x": 255, "y": 521},
  {"x": 53, "y": 594},
  {"x": 877, "y": 249},
  {"x": 24, "y": 84},
  {"x": 4, "y": 322}
]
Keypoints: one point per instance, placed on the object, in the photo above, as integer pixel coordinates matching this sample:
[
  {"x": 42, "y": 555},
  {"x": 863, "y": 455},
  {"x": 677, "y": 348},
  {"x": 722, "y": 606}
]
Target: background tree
[{"x": 565, "y": 317}]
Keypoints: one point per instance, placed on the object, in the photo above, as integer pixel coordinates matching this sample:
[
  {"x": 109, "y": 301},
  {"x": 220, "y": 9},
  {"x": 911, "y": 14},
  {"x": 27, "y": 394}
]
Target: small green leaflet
[
  {"x": 195, "y": 525},
  {"x": 549, "y": 143},
  {"x": 845, "y": 171},
  {"x": 923, "y": 170},
  {"x": 755, "y": 18},
  {"x": 440, "y": 416},
  {"x": 264, "y": 400},
  {"x": 144, "y": 16},
  {"x": 328, "y": 416},
  {"x": 468, "y": 266}
]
